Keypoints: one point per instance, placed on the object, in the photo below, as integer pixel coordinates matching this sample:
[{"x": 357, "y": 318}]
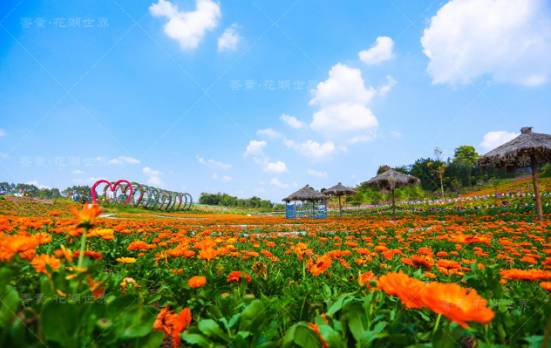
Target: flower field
[{"x": 76, "y": 279}]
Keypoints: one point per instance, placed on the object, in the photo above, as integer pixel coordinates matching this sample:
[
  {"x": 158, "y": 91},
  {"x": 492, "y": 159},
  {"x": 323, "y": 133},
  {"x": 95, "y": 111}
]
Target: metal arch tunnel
[{"x": 124, "y": 192}]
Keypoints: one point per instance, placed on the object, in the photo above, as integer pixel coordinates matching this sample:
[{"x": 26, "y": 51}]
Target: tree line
[
  {"x": 441, "y": 177},
  {"x": 226, "y": 200}
]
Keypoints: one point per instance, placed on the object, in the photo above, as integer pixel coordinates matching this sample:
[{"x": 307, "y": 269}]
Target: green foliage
[{"x": 227, "y": 200}]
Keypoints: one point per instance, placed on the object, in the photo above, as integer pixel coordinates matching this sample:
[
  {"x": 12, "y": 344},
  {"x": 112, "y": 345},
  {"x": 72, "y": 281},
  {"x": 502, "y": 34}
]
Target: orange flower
[
  {"x": 321, "y": 265},
  {"x": 39, "y": 263},
  {"x": 126, "y": 259},
  {"x": 236, "y": 277},
  {"x": 172, "y": 324},
  {"x": 87, "y": 216},
  {"x": 520, "y": 274},
  {"x": 456, "y": 303},
  {"x": 367, "y": 279},
  {"x": 546, "y": 285},
  {"x": 406, "y": 288},
  {"x": 196, "y": 282}
]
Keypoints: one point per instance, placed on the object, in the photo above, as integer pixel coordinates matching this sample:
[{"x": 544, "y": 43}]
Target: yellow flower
[{"x": 126, "y": 259}]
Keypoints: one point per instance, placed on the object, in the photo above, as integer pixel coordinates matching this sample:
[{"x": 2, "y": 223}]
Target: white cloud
[
  {"x": 229, "y": 40},
  {"x": 344, "y": 118},
  {"x": 317, "y": 173},
  {"x": 507, "y": 40},
  {"x": 124, "y": 160},
  {"x": 255, "y": 148},
  {"x": 314, "y": 150},
  {"x": 493, "y": 139},
  {"x": 153, "y": 176},
  {"x": 213, "y": 164},
  {"x": 222, "y": 178},
  {"x": 344, "y": 85},
  {"x": 292, "y": 121},
  {"x": 343, "y": 101},
  {"x": 275, "y": 167},
  {"x": 188, "y": 28},
  {"x": 268, "y": 132},
  {"x": 3, "y": 133},
  {"x": 277, "y": 183},
  {"x": 381, "y": 51}
]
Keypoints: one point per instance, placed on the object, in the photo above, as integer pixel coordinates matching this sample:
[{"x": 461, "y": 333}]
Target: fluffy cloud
[
  {"x": 124, "y": 160},
  {"x": 255, "y": 148},
  {"x": 312, "y": 149},
  {"x": 344, "y": 118},
  {"x": 292, "y": 121},
  {"x": 275, "y": 167},
  {"x": 380, "y": 52},
  {"x": 343, "y": 101},
  {"x": 507, "y": 40},
  {"x": 317, "y": 173},
  {"x": 213, "y": 164},
  {"x": 229, "y": 40},
  {"x": 153, "y": 176},
  {"x": 188, "y": 28},
  {"x": 493, "y": 139}
]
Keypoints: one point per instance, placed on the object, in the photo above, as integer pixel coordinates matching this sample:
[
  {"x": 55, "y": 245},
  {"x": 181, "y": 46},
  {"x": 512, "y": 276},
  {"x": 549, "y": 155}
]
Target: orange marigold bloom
[
  {"x": 39, "y": 263},
  {"x": 197, "y": 282},
  {"x": 422, "y": 261},
  {"x": 320, "y": 266},
  {"x": 87, "y": 215},
  {"x": 520, "y": 274},
  {"x": 366, "y": 279},
  {"x": 456, "y": 303},
  {"x": 236, "y": 277},
  {"x": 173, "y": 324},
  {"x": 126, "y": 259},
  {"x": 546, "y": 285},
  {"x": 405, "y": 287}
]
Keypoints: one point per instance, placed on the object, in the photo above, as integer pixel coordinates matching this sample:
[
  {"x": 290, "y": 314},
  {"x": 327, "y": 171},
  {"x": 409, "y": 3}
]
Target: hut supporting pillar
[{"x": 539, "y": 208}]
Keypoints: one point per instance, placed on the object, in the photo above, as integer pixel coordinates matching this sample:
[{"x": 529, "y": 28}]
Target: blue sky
[{"x": 261, "y": 97}]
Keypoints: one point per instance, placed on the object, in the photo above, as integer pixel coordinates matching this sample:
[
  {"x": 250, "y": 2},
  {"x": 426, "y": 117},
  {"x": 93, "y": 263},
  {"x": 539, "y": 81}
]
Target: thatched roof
[
  {"x": 339, "y": 189},
  {"x": 392, "y": 179},
  {"x": 307, "y": 193},
  {"x": 517, "y": 152}
]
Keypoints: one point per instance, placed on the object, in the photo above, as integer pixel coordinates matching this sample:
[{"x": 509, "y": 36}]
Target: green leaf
[
  {"x": 196, "y": 339},
  {"x": 8, "y": 305},
  {"x": 332, "y": 337},
  {"x": 61, "y": 322},
  {"x": 302, "y": 336},
  {"x": 211, "y": 329},
  {"x": 250, "y": 314}
]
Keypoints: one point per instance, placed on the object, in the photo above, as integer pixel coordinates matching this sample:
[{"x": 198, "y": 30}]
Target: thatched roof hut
[
  {"x": 527, "y": 149},
  {"x": 391, "y": 180},
  {"x": 307, "y": 193},
  {"x": 519, "y": 151},
  {"x": 339, "y": 190}
]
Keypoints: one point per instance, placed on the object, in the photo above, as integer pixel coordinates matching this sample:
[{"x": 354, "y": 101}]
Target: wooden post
[
  {"x": 393, "y": 204},
  {"x": 539, "y": 208},
  {"x": 340, "y": 206}
]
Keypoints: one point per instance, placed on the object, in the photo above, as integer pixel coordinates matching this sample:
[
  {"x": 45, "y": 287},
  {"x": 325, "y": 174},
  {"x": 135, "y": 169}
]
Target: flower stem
[
  {"x": 437, "y": 324},
  {"x": 82, "y": 247}
]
